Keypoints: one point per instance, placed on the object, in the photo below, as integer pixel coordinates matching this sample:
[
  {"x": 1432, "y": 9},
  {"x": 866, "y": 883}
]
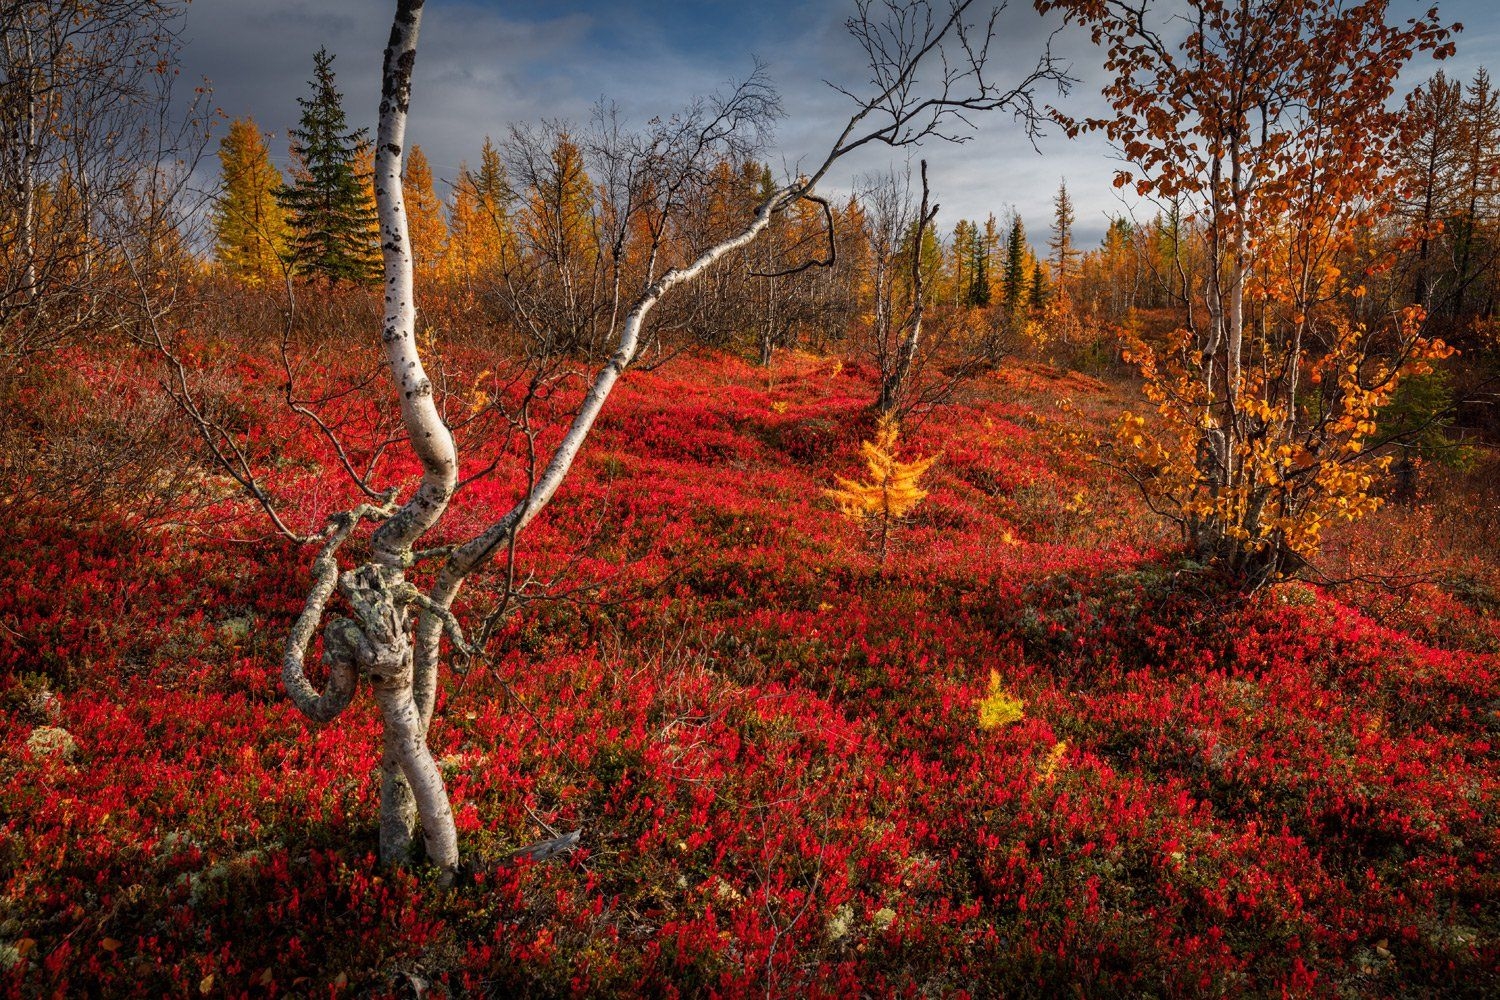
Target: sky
[{"x": 485, "y": 64}]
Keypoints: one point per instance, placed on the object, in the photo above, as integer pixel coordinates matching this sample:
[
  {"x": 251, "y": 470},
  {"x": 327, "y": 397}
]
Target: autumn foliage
[
  {"x": 782, "y": 760},
  {"x": 892, "y": 491},
  {"x": 1270, "y": 127},
  {"x": 1041, "y": 744}
]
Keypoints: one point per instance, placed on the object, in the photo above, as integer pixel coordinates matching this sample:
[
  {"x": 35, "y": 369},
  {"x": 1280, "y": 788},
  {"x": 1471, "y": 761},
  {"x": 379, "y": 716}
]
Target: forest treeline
[
  {"x": 540, "y": 209},
  {"x": 1308, "y": 304}
]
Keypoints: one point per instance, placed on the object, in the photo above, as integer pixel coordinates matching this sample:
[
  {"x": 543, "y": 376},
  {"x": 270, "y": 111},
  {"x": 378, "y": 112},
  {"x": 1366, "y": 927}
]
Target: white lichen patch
[{"x": 52, "y": 741}]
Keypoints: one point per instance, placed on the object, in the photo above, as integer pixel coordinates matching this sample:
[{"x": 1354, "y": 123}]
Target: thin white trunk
[
  {"x": 479, "y": 550},
  {"x": 429, "y": 436},
  {"x": 409, "y": 776},
  {"x": 406, "y": 751}
]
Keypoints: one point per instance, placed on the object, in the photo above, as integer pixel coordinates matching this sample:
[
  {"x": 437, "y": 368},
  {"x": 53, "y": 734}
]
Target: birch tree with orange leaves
[{"x": 1272, "y": 123}]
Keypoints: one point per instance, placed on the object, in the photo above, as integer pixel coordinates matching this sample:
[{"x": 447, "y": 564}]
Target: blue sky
[{"x": 486, "y": 63}]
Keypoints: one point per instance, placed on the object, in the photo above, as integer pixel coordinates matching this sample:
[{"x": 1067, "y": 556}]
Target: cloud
[{"x": 484, "y": 64}]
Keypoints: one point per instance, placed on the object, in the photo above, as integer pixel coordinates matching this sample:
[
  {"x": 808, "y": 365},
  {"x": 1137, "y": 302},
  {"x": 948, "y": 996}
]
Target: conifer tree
[
  {"x": 466, "y": 230},
  {"x": 977, "y": 294},
  {"x": 558, "y": 213},
  {"x": 557, "y": 225},
  {"x": 1064, "y": 253},
  {"x": 962, "y": 261},
  {"x": 424, "y": 214},
  {"x": 490, "y": 182},
  {"x": 1013, "y": 280},
  {"x": 482, "y": 233},
  {"x": 250, "y": 231},
  {"x": 931, "y": 259},
  {"x": 892, "y": 491},
  {"x": 1479, "y": 136},
  {"x": 1430, "y": 155},
  {"x": 328, "y": 204},
  {"x": 493, "y": 197},
  {"x": 1038, "y": 295},
  {"x": 990, "y": 249}
]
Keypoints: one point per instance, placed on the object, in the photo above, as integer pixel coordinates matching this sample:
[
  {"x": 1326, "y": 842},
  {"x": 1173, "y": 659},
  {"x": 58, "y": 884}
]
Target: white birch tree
[{"x": 929, "y": 71}]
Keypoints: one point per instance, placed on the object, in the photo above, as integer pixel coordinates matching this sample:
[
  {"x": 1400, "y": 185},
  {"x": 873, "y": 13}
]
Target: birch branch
[{"x": 326, "y": 705}]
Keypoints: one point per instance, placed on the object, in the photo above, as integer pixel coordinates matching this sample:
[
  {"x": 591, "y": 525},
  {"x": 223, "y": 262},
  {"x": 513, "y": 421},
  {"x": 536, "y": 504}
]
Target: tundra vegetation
[{"x": 758, "y": 587}]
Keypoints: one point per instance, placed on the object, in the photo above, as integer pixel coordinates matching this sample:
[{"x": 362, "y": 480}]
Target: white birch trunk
[
  {"x": 379, "y": 641},
  {"x": 479, "y": 550}
]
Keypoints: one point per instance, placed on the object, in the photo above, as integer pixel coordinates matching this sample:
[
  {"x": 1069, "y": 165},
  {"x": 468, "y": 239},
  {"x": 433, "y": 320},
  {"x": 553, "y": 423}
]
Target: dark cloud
[{"x": 485, "y": 64}]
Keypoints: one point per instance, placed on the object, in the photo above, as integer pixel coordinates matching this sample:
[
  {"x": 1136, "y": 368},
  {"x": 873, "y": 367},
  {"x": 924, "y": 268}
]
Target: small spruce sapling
[{"x": 892, "y": 491}]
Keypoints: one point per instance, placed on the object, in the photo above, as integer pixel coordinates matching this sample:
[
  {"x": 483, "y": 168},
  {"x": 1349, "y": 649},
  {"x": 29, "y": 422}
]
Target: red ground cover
[{"x": 770, "y": 743}]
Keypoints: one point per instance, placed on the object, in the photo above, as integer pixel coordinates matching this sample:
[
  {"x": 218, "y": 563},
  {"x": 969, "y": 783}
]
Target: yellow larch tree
[
  {"x": 424, "y": 214},
  {"x": 481, "y": 234},
  {"x": 250, "y": 229},
  {"x": 892, "y": 491},
  {"x": 557, "y": 214}
]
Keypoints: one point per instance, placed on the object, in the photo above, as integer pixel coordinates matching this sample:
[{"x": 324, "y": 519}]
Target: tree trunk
[
  {"x": 421, "y": 789},
  {"x": 893, "y": 387}
]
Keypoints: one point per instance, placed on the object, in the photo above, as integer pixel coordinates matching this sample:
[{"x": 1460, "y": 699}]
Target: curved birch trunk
[
  {"x": 407, "y": 761},
  {"x": 401, "y": 662},
  {"x": 377, "y": 641}
]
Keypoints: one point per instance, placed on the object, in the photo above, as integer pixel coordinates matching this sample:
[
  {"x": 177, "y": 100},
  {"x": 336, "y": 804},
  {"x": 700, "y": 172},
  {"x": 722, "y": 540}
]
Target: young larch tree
[
  {"x": 1014, "y": 276},
  {"x": 1064, "y": 254},
  {"x": 429, "y": 230},
  {"x": 481, "y": 235},
  {"x": 894, "y": 488}
]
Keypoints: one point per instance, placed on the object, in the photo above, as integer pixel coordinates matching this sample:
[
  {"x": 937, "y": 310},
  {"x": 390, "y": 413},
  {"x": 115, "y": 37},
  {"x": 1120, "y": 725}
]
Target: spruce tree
[
  {"x": 1013, "y": 281},
  {"x": 1038, "y": 287},
  {"x": 328, "y": 205},
  {"x": 978, "y": 293},
  {"x": 989, "y": 258}
]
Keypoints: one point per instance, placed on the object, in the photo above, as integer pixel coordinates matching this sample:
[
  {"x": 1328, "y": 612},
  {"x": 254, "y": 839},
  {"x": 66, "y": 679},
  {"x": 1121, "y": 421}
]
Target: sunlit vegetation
[{"x": 931, "y": 610}]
